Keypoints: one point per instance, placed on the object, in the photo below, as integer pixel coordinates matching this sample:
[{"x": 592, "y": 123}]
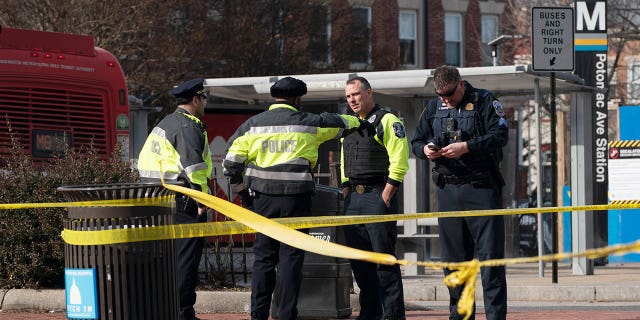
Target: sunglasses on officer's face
[{"x": 450, "y": 93}]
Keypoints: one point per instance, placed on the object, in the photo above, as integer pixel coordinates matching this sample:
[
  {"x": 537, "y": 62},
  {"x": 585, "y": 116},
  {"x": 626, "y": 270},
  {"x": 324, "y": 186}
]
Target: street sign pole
[
  {"x": 553, "y": 50},
  {"x": 554, "y": 179}
]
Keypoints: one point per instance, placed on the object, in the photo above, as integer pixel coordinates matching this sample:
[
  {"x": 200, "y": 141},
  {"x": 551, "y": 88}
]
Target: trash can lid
[{"x": 115, "y": 191}]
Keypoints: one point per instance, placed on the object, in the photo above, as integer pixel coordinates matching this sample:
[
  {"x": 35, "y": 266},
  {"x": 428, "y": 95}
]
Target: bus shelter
[{"x": 406, "y": 92}]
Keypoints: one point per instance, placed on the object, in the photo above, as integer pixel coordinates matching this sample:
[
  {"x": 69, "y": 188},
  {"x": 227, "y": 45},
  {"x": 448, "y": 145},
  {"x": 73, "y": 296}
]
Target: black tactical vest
[
  {"x": 365, "y": 159},
  {"x": 466, "y": 123}
]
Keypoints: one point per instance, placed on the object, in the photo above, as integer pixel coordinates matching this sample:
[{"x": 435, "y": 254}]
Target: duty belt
[
  {"x": 474, "y": 178},
  {"x": 363, "y": 188},
  {"x": 456, "y": 179}
]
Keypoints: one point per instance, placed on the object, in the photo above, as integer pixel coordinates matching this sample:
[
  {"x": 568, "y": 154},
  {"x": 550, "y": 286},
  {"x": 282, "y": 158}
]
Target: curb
[
  {"x": 223, "y": 302},
  {"x": 543, "y": 293},
  {"x": 29, "y": 299},
  {"x": 2, "y": 293},
  {"x": 415, "y": 297}
]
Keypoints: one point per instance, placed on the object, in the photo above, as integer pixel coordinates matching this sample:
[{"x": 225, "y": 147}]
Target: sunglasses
[{"x": 450, "y": 93}]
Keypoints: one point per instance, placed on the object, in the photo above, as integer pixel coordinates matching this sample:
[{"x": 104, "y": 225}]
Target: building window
[
  {"x": 490, "y": 26},
  {"x": 634, "y": 80},
  {"x": 453, "y": 39},
  {"x": 613, "y": 93},
  {"x": 408, "y": 37},
  {"x": 320, "y": 34},
  {"x": 361, "y": 35}
]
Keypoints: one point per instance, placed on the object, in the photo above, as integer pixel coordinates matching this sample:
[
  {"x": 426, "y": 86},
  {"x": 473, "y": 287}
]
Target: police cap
[
  {"x": 288, "y": 87},
  {"x": 189, "y": 89}
]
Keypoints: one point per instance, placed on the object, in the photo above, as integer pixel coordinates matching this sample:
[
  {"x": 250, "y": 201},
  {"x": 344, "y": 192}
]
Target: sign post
[
  {"x": 552, "y": 39},
  {"x": 553, "y": 50}
]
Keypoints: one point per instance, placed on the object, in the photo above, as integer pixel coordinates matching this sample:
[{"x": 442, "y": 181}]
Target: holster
[
  {"x": 186, "y": 204},
  {"x": 437, "y": 178}
]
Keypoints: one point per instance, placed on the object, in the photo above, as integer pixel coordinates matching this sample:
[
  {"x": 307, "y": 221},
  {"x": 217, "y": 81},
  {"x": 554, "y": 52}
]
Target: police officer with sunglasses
[{"x": 463, "y": 132}]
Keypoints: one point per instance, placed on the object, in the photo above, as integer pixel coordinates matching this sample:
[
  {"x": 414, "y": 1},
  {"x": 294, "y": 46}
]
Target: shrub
[{"x": 31, "y": 249}]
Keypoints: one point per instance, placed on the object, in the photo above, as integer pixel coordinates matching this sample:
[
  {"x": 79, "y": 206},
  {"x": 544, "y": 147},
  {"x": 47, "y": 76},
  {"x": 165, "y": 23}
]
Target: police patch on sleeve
[
  {"x": 503, "y": 123},
  {"x": 398, "y": 129},
  {"x": 498, "y": 107}
]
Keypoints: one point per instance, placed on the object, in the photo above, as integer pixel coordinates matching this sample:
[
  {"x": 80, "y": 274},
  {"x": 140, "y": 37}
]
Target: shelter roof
[{"x": 512, "y": 80}]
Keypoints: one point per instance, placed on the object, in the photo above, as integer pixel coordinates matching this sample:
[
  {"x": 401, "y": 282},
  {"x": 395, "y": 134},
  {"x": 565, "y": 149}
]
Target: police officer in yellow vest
[
  {"x": 177, "y": 149},
  {"x": 374, "y": 163},
  {"x": 273, "y": 154}
]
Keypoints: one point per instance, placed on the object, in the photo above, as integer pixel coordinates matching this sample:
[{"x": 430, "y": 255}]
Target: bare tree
[
  {"x": 623, "y": 18},
  {"x": 623, "y": 24},
  {"x": 161, "y": 44},
  {"x": 156, "y": 44}
]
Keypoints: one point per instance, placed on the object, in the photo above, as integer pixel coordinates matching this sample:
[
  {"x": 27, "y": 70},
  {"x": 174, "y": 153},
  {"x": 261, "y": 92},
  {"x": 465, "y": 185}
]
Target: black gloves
[{"x": 246, "y": 200}]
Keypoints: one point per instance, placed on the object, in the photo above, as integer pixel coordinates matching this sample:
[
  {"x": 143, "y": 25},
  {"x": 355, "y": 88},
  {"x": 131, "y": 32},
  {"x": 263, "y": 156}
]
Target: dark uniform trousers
[
  {"x": 188, "y": 252},
  {"x": 380, "y": 286},
  {"x": 460, "y": 236},
  {"x": 270, "y": 253}
]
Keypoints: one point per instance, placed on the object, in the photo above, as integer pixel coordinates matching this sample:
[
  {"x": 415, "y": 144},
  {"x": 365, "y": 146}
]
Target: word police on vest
[{"x": 278, "y": 146}]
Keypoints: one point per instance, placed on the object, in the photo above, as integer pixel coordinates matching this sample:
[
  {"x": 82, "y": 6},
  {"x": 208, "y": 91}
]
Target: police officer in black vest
[
  {"x": 463, "y": 132},
  {"x": 374, "y": 161}
]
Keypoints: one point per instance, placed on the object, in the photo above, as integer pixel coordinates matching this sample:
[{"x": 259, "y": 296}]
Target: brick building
[{"x": 407, "y": 34}]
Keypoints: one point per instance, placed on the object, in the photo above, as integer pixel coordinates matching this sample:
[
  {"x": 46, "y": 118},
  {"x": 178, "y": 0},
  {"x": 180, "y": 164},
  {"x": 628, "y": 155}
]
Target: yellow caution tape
[
  {"x": 162, "y": 201},
  {"x": 283, "y": 234},
  {"x": 102, "y": 237},
  {"x": 466, "y": 275},
  {"x": 467, "y": 272},
  {"x": 281, "y": 230}
]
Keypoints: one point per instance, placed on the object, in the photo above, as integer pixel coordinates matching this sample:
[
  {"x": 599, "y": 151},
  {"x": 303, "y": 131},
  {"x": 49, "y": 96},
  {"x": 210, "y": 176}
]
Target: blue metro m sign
[{"x": 591, "y": 26}]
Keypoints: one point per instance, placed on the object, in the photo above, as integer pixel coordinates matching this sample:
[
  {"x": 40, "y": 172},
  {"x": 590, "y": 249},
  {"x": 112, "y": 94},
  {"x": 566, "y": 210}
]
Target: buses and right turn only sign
[{"x": 552, "y": 39}]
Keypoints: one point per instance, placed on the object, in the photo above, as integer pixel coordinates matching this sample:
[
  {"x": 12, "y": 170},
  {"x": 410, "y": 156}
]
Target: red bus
[{"x": 57, "y": 90}]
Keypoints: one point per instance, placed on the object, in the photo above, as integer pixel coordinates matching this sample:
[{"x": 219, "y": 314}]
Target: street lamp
[{"x": 498, "y": 41}]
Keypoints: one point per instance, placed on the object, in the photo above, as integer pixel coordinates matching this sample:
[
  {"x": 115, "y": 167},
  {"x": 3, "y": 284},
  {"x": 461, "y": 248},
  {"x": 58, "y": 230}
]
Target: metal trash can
[
  {"x": 133, "y": 280},
  {"x": 326, "y": 281}
]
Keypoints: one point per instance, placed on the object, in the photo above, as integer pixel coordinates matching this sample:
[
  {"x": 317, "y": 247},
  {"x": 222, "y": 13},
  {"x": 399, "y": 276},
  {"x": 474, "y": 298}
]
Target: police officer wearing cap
[
  {"x": 374, "y": 161},
  {"x": 273, "y": 154},
  {"x": 463, "y": 132},
  {"x": 177, "y": 149}
]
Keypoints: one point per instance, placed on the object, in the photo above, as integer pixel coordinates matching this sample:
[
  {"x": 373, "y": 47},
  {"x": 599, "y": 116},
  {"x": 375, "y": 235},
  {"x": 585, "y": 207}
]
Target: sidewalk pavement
[{"x": 615, "y": 286}]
